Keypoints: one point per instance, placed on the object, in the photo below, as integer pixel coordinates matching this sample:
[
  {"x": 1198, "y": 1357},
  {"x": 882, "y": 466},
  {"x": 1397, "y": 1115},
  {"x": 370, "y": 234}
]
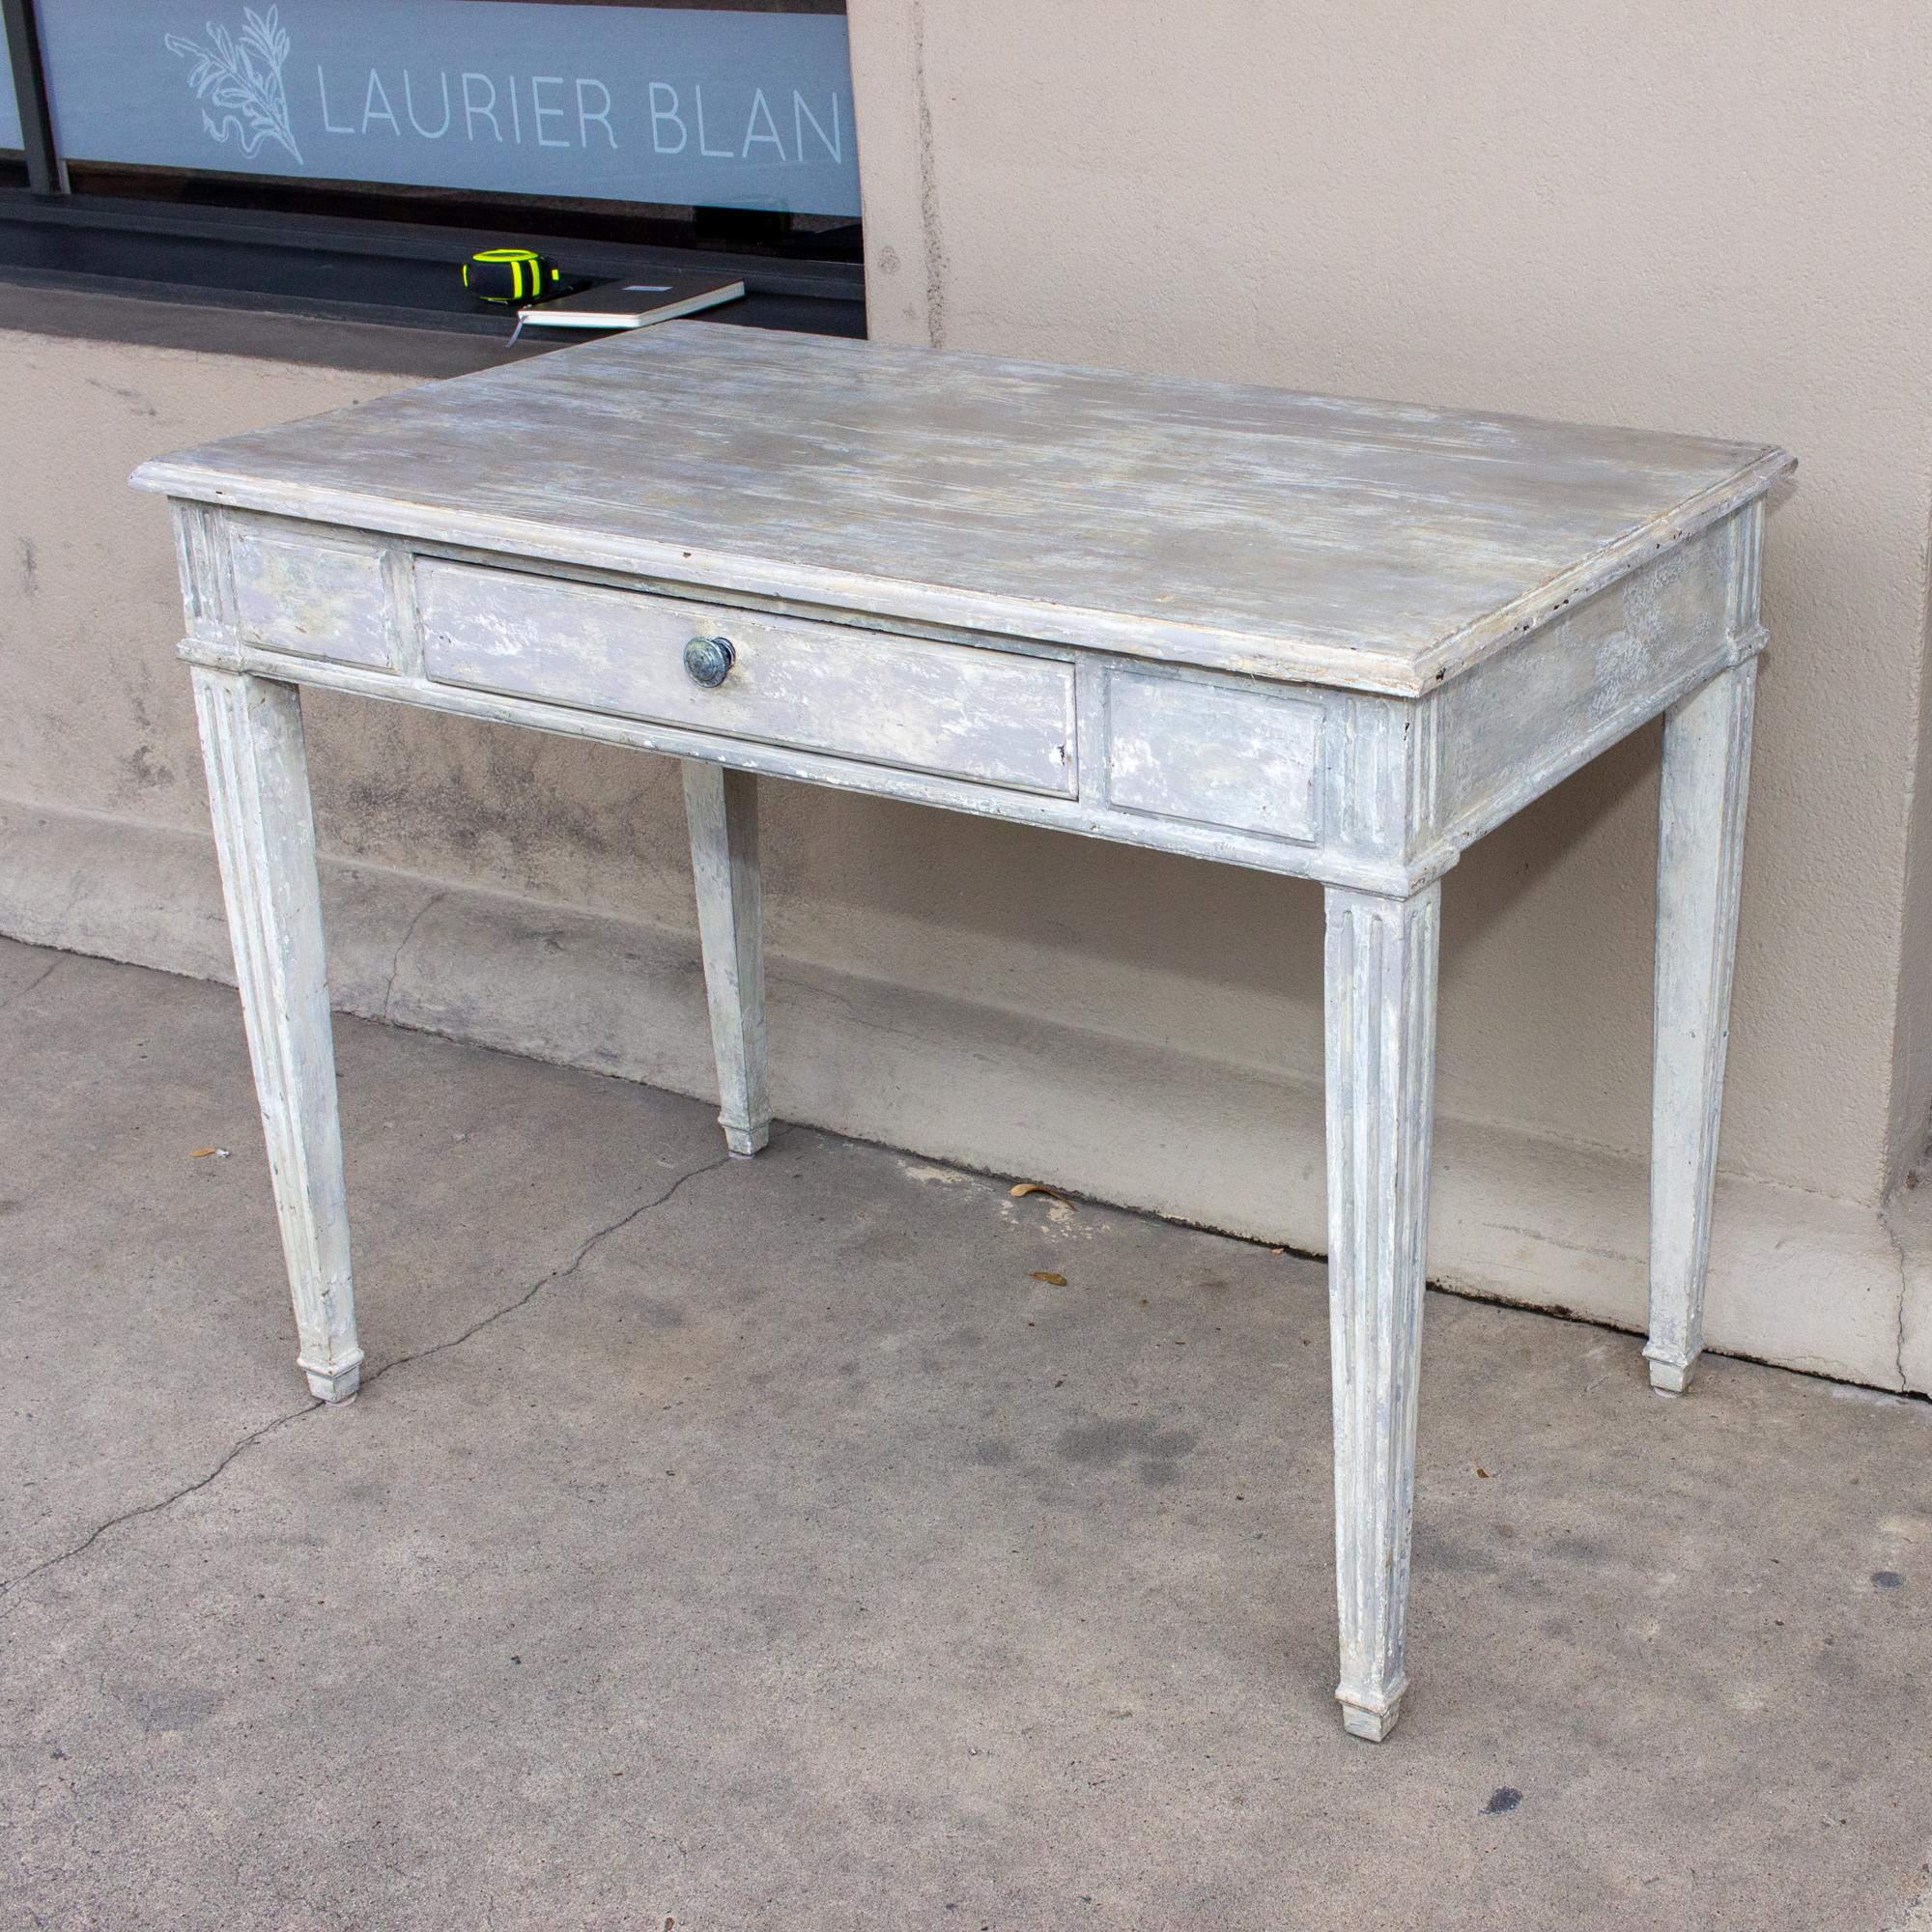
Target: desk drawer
[{"x": 994, "y": 716}]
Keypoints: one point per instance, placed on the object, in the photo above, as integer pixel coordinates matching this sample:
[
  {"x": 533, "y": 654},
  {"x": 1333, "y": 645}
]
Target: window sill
[{"x": 345, "y": 294}]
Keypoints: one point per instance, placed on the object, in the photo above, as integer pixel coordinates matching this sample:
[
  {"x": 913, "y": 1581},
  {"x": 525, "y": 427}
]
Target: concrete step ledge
[{"x": 1809, "y": 1281}]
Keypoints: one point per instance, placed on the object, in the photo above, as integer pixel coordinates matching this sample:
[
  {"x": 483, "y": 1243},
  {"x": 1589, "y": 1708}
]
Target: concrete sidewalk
[{"x": 765, "y": 1544}]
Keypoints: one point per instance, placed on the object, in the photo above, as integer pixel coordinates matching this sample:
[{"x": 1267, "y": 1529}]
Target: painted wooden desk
[{"x": 1334, "y": 640}]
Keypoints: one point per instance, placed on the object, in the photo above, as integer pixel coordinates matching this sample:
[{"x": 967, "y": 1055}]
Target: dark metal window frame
[
  {"x": 46, "y": 172},
  {"x": 130, "y": 235}
]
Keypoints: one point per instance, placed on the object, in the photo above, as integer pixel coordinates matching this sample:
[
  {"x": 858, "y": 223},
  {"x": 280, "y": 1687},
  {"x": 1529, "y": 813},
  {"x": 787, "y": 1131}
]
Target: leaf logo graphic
[{"x": 241, "y": 75}]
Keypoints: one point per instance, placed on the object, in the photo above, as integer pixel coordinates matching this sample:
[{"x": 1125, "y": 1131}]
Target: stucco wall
[
  {"x": 1702, "y": 217},
  {"x": 1714, "y": 229}
]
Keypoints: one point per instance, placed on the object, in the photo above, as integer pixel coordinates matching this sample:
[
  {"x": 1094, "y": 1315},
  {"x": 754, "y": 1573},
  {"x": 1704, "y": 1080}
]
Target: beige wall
[
  {"x": 99, "y": 717},
  {"x": 1704, "y": 218}
]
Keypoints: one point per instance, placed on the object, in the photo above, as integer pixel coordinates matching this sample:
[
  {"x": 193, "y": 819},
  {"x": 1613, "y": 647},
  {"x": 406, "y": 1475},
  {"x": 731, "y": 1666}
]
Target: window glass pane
[
  {"x": 9, "y": 107},
  {"x": 699, "y": 107}
]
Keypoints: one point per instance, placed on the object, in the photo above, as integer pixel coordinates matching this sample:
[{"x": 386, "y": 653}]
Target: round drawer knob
[{"x": 709, "y": 660}]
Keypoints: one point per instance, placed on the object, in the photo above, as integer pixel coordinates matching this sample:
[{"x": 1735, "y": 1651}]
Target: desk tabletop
[{"x": 1372, "y": 545}]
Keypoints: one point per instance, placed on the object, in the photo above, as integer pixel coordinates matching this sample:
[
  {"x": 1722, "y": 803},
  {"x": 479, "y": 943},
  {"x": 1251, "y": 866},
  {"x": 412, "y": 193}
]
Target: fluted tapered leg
[
  {"x": 251, "y": 741},
  {"x": 1699, "y": 864},
  {"x": 722, "y": 809},
  {"x": 1380, "y": 965}
]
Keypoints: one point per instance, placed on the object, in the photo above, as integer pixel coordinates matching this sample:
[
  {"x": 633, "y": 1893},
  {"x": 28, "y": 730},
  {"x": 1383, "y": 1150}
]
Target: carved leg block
[
  {"x": 1380, "y": 970},
  {"x": 251, "y": 741},
  {"x": 722, "y": 809},
  {"x": 1699, "y": 865}
]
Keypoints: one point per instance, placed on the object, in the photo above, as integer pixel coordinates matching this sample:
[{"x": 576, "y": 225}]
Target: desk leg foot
[
  {"x": 336, "y": 1384},
  {"x": 722, "y": 810},
  {"x": 1699, "y": 865},
  {"x": 1671, "y": 1377},
  {"x": 1370, "y": 1722},
  {"x": 1380, "y": 965},
  {"x": 251, "y": 742}
]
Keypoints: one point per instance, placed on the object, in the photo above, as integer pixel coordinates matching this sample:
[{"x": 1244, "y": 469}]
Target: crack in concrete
[
  {"x": 536, "y": 1288},
  {"x": 94, "y": 1536},
  {"x": 11, "y": 1586},
  {"x": 422, "y": 912},
  {"x": 34, "y": 984}
]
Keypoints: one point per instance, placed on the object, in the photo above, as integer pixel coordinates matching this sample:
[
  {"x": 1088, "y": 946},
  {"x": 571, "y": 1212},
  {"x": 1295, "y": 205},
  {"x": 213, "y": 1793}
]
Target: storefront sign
[{"x": 629, "y": 104}]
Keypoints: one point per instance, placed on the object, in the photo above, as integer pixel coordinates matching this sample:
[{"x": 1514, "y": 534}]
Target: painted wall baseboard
[{"x": 1809, "y": 1281}]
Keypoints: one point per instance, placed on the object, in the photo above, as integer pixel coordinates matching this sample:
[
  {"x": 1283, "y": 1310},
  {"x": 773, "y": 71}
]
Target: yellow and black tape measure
[{"x": 511, "y": 275}]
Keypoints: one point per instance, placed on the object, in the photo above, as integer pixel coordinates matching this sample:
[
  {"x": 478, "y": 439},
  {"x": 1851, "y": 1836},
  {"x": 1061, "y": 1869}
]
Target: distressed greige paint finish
[
  {"x": 1574, "y": 687},
  {"x": 1381, "y": 959},
  {"x": 1328, "y": 639},
  {"x": 1378, "y": 545},
  {"x": 1369, "y": 844},
  {"x": 325, "y": 599},
  {"x": 258, "y": 793},
  {"x": 1699, "y": 867},
  {"x": 1182, "y": 748},
  {"x": 1003, "y": 718},
  {"x": 721, "y": 807}
]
